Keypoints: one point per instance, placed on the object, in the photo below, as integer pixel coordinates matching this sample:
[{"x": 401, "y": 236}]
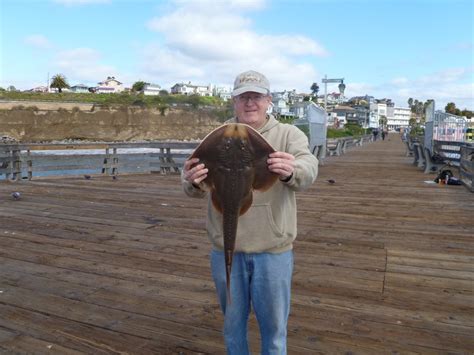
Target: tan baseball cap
[{"x": 251, "y": 81}]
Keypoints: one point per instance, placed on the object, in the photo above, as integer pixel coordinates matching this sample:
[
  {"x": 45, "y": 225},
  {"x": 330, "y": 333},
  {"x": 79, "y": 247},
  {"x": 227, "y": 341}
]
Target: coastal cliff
[{"x": 30, "y": 124}]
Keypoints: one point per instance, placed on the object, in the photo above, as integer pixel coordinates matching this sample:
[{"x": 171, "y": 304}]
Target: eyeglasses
[{"x": 257, "y": 98}]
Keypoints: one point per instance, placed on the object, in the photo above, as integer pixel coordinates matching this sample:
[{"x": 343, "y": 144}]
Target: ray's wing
[
  {"x": 206, "y": 153},
  {"x": 263, "y": 178}
]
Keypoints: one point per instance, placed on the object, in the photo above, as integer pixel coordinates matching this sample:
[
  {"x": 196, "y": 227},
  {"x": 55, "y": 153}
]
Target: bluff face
[{"x": 120, "y": 124}]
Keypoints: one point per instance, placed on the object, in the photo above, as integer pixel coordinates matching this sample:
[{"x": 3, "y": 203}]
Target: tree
[
  {"x": 425, "y": 105},
  {"x": 466, "y": 113},
  {"x": 59, "y": 82},
  {"x": 315, "y": 89},
  {"x": 450, "y": 108},
  {"x": 410, "y": 102},
  {"x": 138, "y": 86}
]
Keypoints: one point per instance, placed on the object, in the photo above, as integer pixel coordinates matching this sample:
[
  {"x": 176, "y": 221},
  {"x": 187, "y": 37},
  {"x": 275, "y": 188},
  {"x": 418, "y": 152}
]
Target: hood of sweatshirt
[{"x": 269, "y": 124}]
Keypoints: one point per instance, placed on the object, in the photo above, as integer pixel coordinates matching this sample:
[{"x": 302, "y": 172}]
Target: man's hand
[
  {"x": 196, "y": 174},
  {"x": 282, "y": 163}
]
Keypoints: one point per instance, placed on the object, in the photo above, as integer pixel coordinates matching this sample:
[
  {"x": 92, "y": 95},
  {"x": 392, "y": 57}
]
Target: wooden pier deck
[{"x": 384, "y": 264}]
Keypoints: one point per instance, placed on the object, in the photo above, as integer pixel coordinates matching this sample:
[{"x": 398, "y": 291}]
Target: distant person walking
[
  {"x": 383, "y": 135},
  {"x": 375, "y": 132}
]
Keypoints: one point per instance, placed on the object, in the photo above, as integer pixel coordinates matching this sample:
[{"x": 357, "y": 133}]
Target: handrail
[
  {"x": 339, "y": 146},
  {"x": 23, "y": 160},
  {"x": 466, "y": 167}
]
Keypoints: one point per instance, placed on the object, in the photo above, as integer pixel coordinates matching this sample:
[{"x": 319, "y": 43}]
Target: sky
[{"x": 394, "y": 49}]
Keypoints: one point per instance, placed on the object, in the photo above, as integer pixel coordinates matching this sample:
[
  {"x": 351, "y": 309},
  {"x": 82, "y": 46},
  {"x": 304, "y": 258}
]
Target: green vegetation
[
  {"x": 124, "y": 98},
  {"x": 138, "y": 86},
  {"x": 452, "y": 109},
  {"x": 348, "y": 131},
  {"x": 286, "y": 119},
  {"x": 59, "y": 82},
  {"x": 416, "y": 128}
]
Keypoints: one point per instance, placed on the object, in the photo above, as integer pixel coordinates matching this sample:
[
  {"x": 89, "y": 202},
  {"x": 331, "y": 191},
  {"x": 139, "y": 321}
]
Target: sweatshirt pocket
[{"x": 257, "y": 230}]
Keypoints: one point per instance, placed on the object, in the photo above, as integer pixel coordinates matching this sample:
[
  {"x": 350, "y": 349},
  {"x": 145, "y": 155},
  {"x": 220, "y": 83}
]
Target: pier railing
[
  {"x": 24, "y": 161},
  {"x": 339, "y": 146},
  {"x": 466, "y": 166}
]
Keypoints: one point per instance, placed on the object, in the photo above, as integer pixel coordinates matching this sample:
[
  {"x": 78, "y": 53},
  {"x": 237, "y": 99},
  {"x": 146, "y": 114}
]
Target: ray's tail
[
  {"x": 228, "y": 271},
  {"x": 230, "y": 231}
]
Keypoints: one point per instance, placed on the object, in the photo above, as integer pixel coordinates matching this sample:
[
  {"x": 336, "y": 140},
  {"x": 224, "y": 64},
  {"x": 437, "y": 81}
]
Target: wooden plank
[
  {"x": 109, "y": 318},
  {"x": 14, "y": 342}
]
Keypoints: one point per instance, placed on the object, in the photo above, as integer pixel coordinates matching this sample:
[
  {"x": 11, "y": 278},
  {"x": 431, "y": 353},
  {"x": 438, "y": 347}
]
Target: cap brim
[{"x": 241, "y": 90}]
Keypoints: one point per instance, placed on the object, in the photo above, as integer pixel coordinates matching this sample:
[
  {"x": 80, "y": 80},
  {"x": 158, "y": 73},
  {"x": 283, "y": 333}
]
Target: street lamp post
[{"x": 325, "y": 80}]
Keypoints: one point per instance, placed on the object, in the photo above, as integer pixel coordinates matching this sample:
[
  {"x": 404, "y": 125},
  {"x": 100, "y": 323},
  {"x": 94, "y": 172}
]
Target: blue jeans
[{"x": 260, "y": 280}]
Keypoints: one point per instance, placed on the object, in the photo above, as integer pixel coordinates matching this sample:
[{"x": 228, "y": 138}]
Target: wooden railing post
[
  {"x": 16, "y": 164},
  {"x": 115, "y": 159},
  {"x": 105, "y": 166},
  {"x": 29, "y": 163}
]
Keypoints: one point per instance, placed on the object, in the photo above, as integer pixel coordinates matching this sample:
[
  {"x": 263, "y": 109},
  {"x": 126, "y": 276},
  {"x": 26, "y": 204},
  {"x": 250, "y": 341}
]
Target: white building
[
  {"x": 80, "y": 88},
  {"x": 299, "y": 109},
  {"x": 151, "y": 89},
  {"x": 379, "y": 109},
  {"x": 400, "y": 119},
  {"x": 224, "y": 92},
  {"x": 280, "y": 106},
  {"x": 39, "y": 89},
  {"x": 189, "y": 89},
  {"x": 110, "y": 85}
]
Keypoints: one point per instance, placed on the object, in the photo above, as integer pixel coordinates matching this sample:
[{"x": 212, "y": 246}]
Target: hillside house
[
  {"x": 39, "y": 89},
  {"x": 224, "y": 92},
  {"x": 280, "y": 106},
  {"x": 80, "y": 88},
  {"x": 342, "y": 114},
  {"x": 110, "y": 85},
  {"x": 189, "y": 89},
  {"x": 151, "y": 89},
  {"x": 299, "y": 109}
]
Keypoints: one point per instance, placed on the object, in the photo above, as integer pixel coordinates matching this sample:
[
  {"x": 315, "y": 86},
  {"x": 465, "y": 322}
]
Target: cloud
[
  {"x": 83, "y": 64},
  {"x": 170, "y": 65},
  {"x": 445, "y": 76},
  {"x": 207, "y": 41},
  {"x": 449, "y": 85},
  {"x": 38, "y": 41}
]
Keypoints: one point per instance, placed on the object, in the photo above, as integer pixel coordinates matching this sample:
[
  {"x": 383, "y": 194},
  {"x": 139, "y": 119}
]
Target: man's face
[{"x": 251, "y": 108}]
